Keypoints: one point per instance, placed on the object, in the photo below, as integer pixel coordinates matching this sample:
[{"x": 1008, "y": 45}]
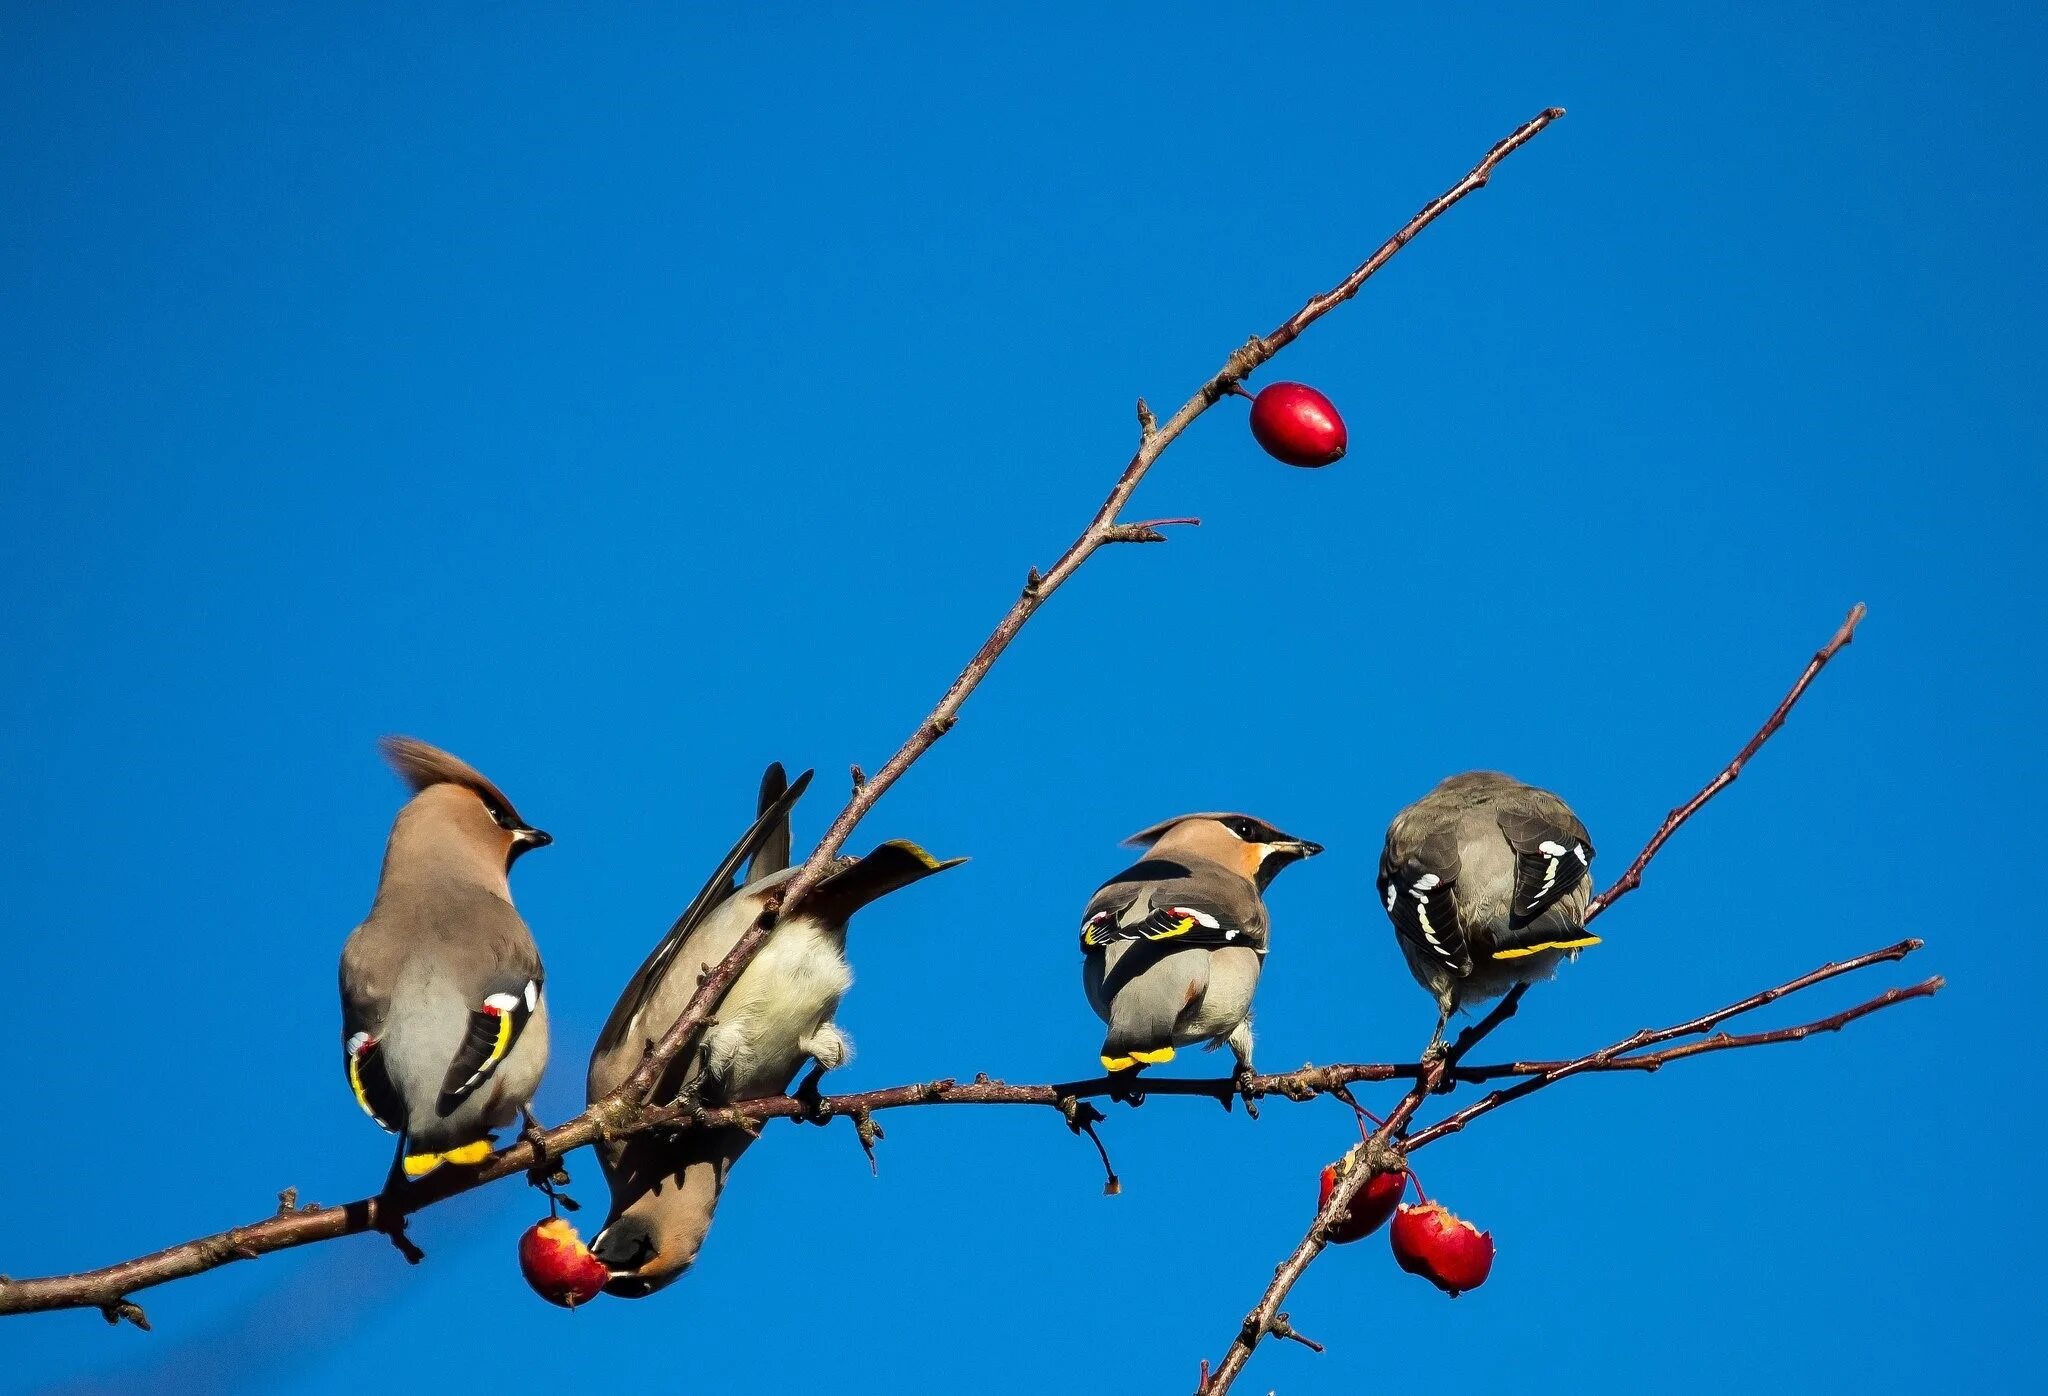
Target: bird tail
[
  {"x": 1546, "y": 932},
  {"x": 418, "y": 1165},
  {"x": 1150, "y": 991},
  {"x": 1120, "y": 1055},
  {"x": 893, "y": 866}
]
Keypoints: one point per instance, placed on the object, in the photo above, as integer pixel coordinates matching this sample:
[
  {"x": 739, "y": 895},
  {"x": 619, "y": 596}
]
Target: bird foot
[
  {"x": 1123, "y": 1088},
  {"x": 547, "y": 1174},
  {"x": 810, "y": 1101},
  {"x": 1436, "y": 1065},
  {"x": 1242, "y": 1079}
]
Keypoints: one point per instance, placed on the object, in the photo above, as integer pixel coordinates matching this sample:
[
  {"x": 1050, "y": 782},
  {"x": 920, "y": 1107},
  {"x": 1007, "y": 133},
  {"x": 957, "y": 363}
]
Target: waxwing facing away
[
  {"x": 1486, "y": 882},
  {"x": 444, "y": 1026},
  {"x": 1172, "y": 946},
  {"x": 774, "y": 1019}
]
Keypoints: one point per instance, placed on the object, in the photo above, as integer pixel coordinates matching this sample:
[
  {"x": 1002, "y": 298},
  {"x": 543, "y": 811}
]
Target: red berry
[
  {"x": 1449, "y": 1252},
  {"x": 1298, "y": 425},
  {"x": 557, "y": 1264},
  {"x": 1370, "y": 1209}
]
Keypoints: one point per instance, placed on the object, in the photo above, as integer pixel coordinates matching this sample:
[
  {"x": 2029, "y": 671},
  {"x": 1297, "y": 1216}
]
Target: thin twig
[
  {"x": 628, "y": 1109},
  {"x": 1101, "y": 529},
  {"x": 286, "y": 1229},
  {"x": 1611, "y": 1058},
  {"x": 1633, "y": 877},
  {"x": 1448, "y": 1069}
]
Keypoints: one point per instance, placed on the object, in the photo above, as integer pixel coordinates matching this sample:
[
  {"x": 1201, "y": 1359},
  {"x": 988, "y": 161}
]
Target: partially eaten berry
[{"x": 1448, "y": 1251}]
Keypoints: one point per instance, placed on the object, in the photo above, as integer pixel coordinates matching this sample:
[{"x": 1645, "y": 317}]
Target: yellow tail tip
[
  {"x": 474, "y": 1152},
  {"x": 418, "y": 1166},
  {"x": 1522, "y": 950},
  {"x": 1155, "y": 1057},
  {"x": 1117, "y": 1063}
]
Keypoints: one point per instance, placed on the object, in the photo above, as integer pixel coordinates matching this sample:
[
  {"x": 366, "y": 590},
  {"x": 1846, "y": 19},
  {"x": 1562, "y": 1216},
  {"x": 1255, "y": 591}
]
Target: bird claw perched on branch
[
  {"x": 547, "y": 1173},
  {"x": 1123, "y": 1089},
  {"x": 1243, "y": 1082},
  {"x": 812, "y": 1107}
]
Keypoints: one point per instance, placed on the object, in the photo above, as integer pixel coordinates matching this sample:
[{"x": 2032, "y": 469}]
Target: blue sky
[{"x": 625, "y": 400}]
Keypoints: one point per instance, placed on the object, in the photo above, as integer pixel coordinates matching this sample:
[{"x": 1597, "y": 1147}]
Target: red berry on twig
[
  {"x": 1372, "y": 1206},
  {"x": 1448, "y": 1251},
  {"x": 1298, "y": 425},
  {"x": 558, "y": 1266}
]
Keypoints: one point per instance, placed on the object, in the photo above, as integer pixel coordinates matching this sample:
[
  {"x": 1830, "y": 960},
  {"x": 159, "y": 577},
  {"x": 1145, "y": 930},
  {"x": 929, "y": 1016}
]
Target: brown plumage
[
  {"x": 777, "y": 1016},
  {"x": 1486, "y": 882},
  {"x": 444, "y": 1022},
  {"x": 1172, "y": 946}
]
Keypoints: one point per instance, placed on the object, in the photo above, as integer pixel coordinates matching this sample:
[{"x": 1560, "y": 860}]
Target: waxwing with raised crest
[{"x": 444, "y": 1023}]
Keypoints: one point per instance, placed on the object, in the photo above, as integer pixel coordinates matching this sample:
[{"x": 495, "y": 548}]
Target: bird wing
[
  {"x": 773, "y": 854},
  {"x": 1552, "y": 855},
  {"x": 494, "y": 1026},
  {"x": 1416, "y": 889},
  {"x": 1161, "y": 900},
  {"x": 717, "y": 888},
  {"x": 362, "y": 1027}
]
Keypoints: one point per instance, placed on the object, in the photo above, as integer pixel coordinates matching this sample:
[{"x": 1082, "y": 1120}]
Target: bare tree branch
[
  {"x": 1632, "y": 878},
  {"x": 1380, "y": 1147},
  {"x": 1614, "y": 1058},
  {"x": 628, "y": 1109},
  {"x": 1154, "y": 438},
  {"x": 296, "y": 1225}
]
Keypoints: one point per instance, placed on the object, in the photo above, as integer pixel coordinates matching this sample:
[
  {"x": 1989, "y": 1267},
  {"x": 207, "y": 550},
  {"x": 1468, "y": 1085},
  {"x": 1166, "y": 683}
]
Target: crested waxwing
[
  {"x": 444, "y": 1026},
  {"x": 1172, "y": 946},
  {"x": 1486, "y": 882},
  {"x": 777, "y": 1016}
]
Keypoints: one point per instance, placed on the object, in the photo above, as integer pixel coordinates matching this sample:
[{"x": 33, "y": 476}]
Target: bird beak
[
  {"x": 1296, "y": 849},
  {"x": 532, "y": 838}
]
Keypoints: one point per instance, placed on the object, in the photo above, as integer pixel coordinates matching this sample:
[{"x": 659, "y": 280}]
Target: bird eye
[{"x": 1243, "y": 828}]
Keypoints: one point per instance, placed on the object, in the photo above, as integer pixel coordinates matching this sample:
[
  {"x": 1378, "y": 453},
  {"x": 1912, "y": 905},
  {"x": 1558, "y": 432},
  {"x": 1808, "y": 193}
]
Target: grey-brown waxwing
[
  {"x": 776, "y": 1016},
  {"x": 444, "y": 1021},
  {"x": 1486, "y": 882},
  {"x": 1172, "y": 946}
]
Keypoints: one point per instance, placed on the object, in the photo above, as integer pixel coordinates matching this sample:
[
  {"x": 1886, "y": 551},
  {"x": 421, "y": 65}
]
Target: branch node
[
  {"x": 1144, "y": 530},
  {"x": 867, "y": 1131},
  {"x": 1147, "y": 423},
  {"x": 860, "y": 778},
  {"x": 1384, "y": 1157},
  {"x": 288, "y": 1202},
  {"x": 1281, "y": 1328},
  {"x": 1032, "y": 582},
  {"x": 125, "y": 1310}
]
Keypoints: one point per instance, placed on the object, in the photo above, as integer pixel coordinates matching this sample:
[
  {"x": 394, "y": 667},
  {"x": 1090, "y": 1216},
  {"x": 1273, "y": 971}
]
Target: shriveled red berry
[
  {"x": 1448, "y": 1251},
  {"x": 1298, "y": 425},
  {"x": 1372, "y": 1206},
  {"x": 558, "y": 1266}
]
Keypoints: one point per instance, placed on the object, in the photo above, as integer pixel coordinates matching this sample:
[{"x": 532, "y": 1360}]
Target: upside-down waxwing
[
  {"x": 1486, "y": 882},
  {"x": 444, "y": 1025},
  {"x": 776, "y": 1016},
  {"x": 1172, "y": 946}
]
